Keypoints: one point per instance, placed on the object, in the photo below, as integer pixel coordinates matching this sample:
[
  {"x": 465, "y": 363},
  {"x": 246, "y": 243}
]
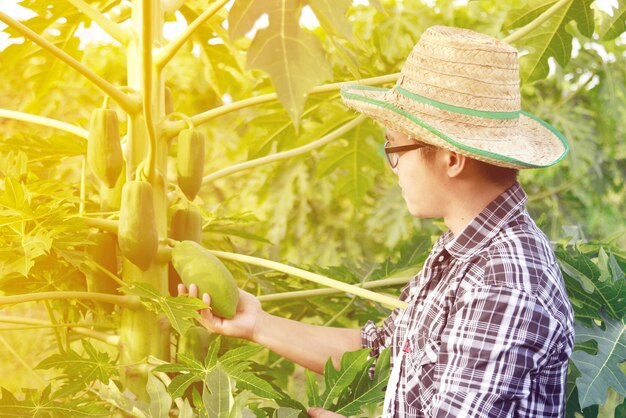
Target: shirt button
[{"x": 441, "y": 258}]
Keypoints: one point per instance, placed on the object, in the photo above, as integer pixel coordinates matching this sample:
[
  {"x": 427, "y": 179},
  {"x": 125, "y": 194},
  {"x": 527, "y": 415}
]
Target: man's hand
[
  {"x": 322, "y": 413},
  {"x": 241, "y": 326}
]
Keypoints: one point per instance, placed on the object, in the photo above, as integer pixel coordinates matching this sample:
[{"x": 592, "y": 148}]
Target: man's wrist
[{"x": 260, "y": 325}]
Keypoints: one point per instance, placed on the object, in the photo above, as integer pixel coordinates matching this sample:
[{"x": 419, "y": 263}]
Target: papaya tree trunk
[{"x": 144, "y": 333}]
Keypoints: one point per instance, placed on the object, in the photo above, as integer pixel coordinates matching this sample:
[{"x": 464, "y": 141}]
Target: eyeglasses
[{"x": 393, "y": 152}]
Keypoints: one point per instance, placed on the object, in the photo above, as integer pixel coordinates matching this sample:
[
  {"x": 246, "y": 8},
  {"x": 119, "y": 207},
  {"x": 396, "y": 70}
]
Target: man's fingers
[
  {"x": 193, "y": 290},
  {"x": 182, "y": 289}
]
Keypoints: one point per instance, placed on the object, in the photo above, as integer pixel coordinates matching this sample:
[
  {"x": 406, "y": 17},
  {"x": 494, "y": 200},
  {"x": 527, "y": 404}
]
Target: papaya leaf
[
  {"x": 338, "y": 381},
  {"x": 217, "y": 395},
  {"x": 284, "y": 412},
  {"x": 243, "y": 15},
  {"x": 586, "y": 288},
  {"x": 81, "y": 370},
  {"x": 160, "y": 400},
  {"x": 179, "y": 310},
  {"x": 293, "y": 58},
  {"x": 332, "y": 15},
  {"x": 613, "y": 26},
  {"x": 354, "y": 158},
  {"x": 180, "y": 383},
  {"x": 312, "y": 389},
  {"x": 550, "y": 39},
  {"x": 239, "y": 354},
  {"x": 412, "y": 254},
  {"x": 42, "y": 405},
  {"x": 127, "y": 402},
  {"x": 600, "y": 371}
]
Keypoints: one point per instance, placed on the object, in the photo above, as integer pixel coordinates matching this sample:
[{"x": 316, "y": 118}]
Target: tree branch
[
  {"x": 127, "y": 102},
  {"x": 126, "y": 301},
  {"x": 40, "y": 120},
  {"x": 285, "y": 154},
  {"x": 163, "y": 56},
  {"x": 116, "y": 31}
]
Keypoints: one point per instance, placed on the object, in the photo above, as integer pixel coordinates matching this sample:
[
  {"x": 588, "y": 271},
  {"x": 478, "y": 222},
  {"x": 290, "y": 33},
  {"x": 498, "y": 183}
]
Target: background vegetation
[{"x": 334, "y": 210}]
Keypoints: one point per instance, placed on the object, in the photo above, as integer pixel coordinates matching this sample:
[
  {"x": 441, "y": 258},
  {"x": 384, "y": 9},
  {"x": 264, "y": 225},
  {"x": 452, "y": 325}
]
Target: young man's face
[{"x": 418, "y": 178}]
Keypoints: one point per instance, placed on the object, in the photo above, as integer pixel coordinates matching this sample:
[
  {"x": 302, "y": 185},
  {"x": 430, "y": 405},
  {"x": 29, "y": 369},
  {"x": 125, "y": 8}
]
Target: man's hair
[{"x": 494, "y": 173}]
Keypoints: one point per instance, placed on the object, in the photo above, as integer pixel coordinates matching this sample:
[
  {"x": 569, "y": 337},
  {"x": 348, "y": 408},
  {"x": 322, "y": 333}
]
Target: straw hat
[{"x": 459, "y": 90}]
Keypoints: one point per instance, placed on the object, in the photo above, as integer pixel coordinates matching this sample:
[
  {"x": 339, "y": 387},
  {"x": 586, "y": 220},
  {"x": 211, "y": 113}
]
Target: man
[{"x": 489, "y": 328}]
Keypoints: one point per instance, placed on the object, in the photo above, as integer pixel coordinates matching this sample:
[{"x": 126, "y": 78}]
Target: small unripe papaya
[
  {"x": 104, "y": 253},
  {"x": 196, "y": 265},
  {"x": 104, "y": 151},
  {"x": 186, "y": 224},
  {"x": 190, "y": 161},
  {"x": 194, "y": 343},
  {"x": 137, "y": 234}
]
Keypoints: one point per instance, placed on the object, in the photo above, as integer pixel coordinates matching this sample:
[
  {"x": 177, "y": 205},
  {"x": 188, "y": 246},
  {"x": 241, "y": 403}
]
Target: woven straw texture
[{"x": 460, "y": 90}]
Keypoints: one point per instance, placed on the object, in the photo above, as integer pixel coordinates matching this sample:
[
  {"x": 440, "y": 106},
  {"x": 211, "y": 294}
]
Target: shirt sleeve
[
  {"x": 379, "y": 338},
  {"x": 495, "y": 337}
]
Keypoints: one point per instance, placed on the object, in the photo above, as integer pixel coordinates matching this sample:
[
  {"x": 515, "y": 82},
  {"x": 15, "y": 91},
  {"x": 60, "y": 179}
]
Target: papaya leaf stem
[
  {"x": 301, "y": 294},
  {"x": 285, "y": 154},
  {"x": 314, "y": 277},
  {"x": 173, "y": 128},
  {"x": 163, "y": 56},
  {"x": 126, "y": 301},
  {"x": 537, "y": 22},
  {"x": 116, "y": 31},
  {"x": 40, "y": 120}
]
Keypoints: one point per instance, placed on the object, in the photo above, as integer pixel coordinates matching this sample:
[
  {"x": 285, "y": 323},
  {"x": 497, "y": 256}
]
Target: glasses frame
[{"x": 392, "y": 152}]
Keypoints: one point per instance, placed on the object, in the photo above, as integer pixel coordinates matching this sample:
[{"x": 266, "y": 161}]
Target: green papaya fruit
[
  {"x": 104, "y": 151},
  {"x": 194, "y": 343},
  {"x": 185, "y": 224},
  {"x": 104, "y": 253},
  {"x": 190, "y": 161},
  {"x": 196, "y": 265},
  {"x": 137, "y": 235}
]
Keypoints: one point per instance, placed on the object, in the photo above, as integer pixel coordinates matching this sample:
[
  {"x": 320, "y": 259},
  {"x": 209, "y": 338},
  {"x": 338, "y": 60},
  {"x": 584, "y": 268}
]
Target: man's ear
[{"x": 455, "y": 163}]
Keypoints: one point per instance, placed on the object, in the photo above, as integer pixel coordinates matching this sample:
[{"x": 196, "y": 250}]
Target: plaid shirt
[{"x": 490, "y": 322}]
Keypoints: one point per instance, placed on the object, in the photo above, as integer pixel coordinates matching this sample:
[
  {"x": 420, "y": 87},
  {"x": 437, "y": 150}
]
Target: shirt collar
[{"x": 487, "y": 224}]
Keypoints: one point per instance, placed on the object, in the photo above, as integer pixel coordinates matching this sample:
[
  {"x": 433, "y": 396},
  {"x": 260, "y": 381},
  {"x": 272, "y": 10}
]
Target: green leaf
[
  {"x": 82, "y": 369},
  {"x": 338, "y": 381},
  {"x": 160, "y": 400},
  {"x": 600, "y": 371},
  {"x": 124, "y": 401},
  {"x": 39, "y": 404},
  {"x": 355, "y": 158},
  {"x": 332, "y": 15},
  {"x": 239, "y": 354},
  {"x": 293, "y": 58},
  {"x": 243, "y": 16},
  {"x": 581, "y": 272},
  {"x": 179, "y": 310},
  {"x": 217, "y": 397},
  {"x": 613, "y": 26},
  {"x": 284, "y": 412},
  {"x": 180, "y": 383},
  {"x": 312, "y": 389},
  {"x": 550, "y": 39}
]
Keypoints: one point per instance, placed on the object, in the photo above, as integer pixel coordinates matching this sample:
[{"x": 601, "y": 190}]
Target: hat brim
[{"x": 531, "y": 143}]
